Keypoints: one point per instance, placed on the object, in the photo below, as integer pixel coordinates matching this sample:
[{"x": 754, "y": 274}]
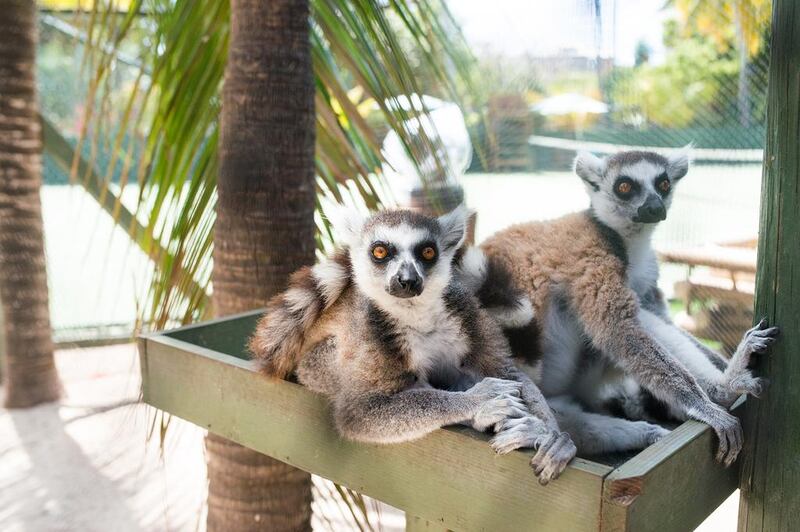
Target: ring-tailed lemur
[
  {"x": 384, "y": 329},
  {"x": 601, "y": 328},
  {"x": 594, "y": 430},
  {"x": 593, "y": 434}
]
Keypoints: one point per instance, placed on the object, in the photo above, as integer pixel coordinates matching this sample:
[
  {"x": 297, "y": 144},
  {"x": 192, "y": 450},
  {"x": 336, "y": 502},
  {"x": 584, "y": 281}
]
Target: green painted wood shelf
[{"x": 450, "y": 479}]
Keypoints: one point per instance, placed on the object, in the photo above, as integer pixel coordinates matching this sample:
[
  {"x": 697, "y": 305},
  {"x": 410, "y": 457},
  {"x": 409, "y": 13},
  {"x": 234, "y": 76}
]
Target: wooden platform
[{"x": 450, "y": 479}]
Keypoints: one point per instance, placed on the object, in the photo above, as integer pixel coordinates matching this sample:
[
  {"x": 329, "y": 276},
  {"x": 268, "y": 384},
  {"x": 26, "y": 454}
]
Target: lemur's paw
[
  {"x": 553, "y": 456},
  {"x": 759, "y": 339},
  {"x": 497, "y": 401},
  {"x": 521, "y": 432},
  {"x": 729, "y": 432},
  {"x": 491, "y": 387},
  {"x": 654, "y": 433},
  {"x": 747, "y": 384}
]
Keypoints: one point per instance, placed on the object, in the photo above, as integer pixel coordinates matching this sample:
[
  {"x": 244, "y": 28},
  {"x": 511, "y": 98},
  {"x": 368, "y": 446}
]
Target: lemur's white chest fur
[
  {"x": 642, "y": 272},
  {"x": 432, "y": 335},
  {"x": 440, "y": 344}
]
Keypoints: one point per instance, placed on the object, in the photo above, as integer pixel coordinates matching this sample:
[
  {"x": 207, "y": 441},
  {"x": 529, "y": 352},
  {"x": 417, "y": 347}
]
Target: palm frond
[
  {"x": 162, "y": 128},
  {"x": 168, "y": 120}
]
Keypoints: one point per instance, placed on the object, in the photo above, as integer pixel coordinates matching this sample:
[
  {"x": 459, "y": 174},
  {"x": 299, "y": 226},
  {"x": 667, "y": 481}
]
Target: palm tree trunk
[
  {"x": 265, "y": 230},
  {"x": 30, "y": 375}
]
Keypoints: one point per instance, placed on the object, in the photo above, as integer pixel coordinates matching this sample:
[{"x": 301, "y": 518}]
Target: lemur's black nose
[
  {"x": 406, "y": 283},
  {"x": 652, "y": 211},
  {"x": 409, "y": 283}
]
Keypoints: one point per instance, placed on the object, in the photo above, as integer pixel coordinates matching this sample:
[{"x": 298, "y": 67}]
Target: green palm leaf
[
  {"x": 163, "y": 127},
  {"x": 169, "y": 116}
]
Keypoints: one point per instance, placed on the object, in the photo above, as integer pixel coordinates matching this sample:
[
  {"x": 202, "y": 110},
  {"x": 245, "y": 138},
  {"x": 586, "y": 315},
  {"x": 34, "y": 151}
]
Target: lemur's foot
[
  {"x": 554, "y": 449},
  {"x": 497, "y": 400},
  {"x": 552, "y": 458},
  {"x": 653, "y": 432},
  {"x": 728, "y": 429},
  {"x": 747, "y": 384},
  {"x": 757, "y": 341},
  {"x": 521, "y": 432}
]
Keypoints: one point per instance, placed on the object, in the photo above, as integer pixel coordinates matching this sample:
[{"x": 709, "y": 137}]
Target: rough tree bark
[
  {"x": 29, "y": 374},
  {"x": 264, "y": 232},
  {"x": 770, "y": 475}
]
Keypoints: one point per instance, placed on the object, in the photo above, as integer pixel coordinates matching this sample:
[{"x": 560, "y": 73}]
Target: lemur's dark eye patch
[
  {"x": 625, "y": 187},
  {"x": 426, "y": 251},
  {"x": 663, "y": 184},
  {"x": 380, "y": 252}
]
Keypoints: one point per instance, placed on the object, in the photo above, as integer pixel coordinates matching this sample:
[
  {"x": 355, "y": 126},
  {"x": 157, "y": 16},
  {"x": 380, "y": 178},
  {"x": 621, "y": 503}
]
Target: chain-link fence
[
  {"x": 96, "y": 275},
  {"x": 557, "y": 76},
  {"x": 606, "y": 75}
]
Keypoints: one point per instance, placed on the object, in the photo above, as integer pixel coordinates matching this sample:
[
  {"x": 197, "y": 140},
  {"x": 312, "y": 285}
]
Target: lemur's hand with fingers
[
  {"x": 756, "y": 341},
  {"x": 727, "y": 428},
  {"x": 496, "y": 400},
  {"x": 552, "y": 457},
  {"x": 554, "y": 449},
  {"x": 759, "y": 339}
]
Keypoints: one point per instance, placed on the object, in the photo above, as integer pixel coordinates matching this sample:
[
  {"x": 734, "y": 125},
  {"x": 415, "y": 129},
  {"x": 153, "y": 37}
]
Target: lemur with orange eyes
[
  {"x": 356, "y": 301},
  {"x": 384, "y": 328},
  {"x": 601, "y": 333}
]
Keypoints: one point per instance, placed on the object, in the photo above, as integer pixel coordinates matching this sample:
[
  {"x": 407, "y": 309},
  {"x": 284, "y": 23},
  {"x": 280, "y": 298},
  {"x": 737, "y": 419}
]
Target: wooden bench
[
  {"x": 726, "y": 279},
  {"x": 450, "y": 479}
]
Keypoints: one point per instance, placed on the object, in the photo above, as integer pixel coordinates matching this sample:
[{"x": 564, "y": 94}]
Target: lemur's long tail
[{"x": 280, "y": 334}]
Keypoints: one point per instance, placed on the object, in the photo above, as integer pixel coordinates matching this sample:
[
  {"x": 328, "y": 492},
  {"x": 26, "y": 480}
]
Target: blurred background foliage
[
  {"x": 151, "y": 74},
  {"x": 139, "y": 107},
  {"x": 712, "y": 46}
]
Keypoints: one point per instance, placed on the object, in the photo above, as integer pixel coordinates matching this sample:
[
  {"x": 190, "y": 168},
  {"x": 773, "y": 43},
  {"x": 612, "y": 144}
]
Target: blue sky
[{"x": 542, "y": 27}]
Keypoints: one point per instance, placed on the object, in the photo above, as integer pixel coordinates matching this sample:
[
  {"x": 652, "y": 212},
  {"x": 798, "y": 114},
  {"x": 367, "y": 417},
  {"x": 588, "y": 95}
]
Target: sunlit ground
[
  {"x": 94, "y": 462},
  {"x": 96, "y": 276}
]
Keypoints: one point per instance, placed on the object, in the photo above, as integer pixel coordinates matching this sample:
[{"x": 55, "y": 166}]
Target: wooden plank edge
[
  {"x": 163, "y": 338},
  {"x": 158, "y": 349},
  {"x": 638, "y": 478},
  {"x": 200, "y": 324}
]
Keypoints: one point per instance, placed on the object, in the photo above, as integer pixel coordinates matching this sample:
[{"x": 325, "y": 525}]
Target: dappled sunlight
[{"x": 86, "y": 463}]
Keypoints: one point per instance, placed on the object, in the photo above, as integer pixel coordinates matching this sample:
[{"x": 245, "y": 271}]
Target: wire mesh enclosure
[
  {"x": 607, "y": 75},
  {"x": 551, "y": 78}
]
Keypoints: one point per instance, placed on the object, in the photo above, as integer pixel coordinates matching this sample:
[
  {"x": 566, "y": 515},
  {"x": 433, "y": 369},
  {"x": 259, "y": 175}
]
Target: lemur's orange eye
[
  {"x": 429, "y": 253},
  {"x": 624, "y": 187},
  {"x": 664, "y": 185},
  {"x": 380, "y": 252}
]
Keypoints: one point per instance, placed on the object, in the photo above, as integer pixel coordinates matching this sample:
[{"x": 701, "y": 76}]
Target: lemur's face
[
  {"x": 401, "y": 258},
  {"x": 631, "y": 188},
  {"x": 402, "y": 254}
]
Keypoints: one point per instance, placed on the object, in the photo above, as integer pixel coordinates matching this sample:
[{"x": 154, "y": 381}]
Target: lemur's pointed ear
[
  {"x": 346, "y": 222},
  {"x": 454, "y": 227},
  {"x": 678, "y": 162},
  {"x": 590, "y": 168}
]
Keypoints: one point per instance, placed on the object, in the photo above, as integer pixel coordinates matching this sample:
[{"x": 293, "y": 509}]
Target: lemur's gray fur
[
  {"x": 510, "y": 307},
  {"x": 400, "y": 346},
  {"x": 601, "y": 329}
]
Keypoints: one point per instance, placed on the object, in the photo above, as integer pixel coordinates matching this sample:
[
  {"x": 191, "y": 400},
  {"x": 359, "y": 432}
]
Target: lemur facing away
[
  {"x": 601, "y": 328},
  {"x": 385, "y": 330}
]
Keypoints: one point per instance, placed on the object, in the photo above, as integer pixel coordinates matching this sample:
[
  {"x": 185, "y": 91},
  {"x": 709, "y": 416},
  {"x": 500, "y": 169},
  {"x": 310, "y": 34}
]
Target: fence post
[{"x": 770, "y": 481}]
